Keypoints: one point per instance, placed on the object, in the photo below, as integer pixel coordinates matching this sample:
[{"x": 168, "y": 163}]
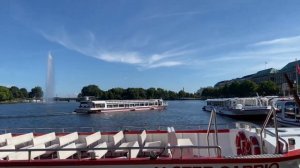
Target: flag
[{"x": 298, "y": 68}]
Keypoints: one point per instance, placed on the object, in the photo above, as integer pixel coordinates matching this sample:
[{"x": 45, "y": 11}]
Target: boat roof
[
  {"x": 122, "y": 101},
  {"x": 237, "y": 98}
]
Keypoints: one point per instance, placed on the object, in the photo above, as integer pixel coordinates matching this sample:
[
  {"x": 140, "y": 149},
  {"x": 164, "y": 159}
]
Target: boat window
[
  {"x": 289, "y": 107},
  {"x": 102, "y": 105},
  {"x": 290, "y": 110},
  {"x": 83, "y": 105},
  {"x": 121, "y": 105},
  {"x": 109, "y": 106},
  {"x": 115, "y": 105},
  {"x": 279, "y": 109}
]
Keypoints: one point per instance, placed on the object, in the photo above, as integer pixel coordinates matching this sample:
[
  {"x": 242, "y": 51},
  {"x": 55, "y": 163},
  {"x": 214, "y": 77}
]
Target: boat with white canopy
[
  {"x": 251, "y": 107},
  {"x": 103, "y": 106}
]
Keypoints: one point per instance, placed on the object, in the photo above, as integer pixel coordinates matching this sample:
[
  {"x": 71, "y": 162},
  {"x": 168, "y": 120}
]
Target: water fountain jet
[{"x": 49, "y": 96}]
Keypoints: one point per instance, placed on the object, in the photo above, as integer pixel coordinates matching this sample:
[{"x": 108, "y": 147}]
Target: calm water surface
[{"x": 39, "y": 115}]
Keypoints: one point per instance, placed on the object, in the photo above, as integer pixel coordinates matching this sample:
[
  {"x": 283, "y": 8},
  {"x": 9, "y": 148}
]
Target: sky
[{"x": 171, "y": 44}]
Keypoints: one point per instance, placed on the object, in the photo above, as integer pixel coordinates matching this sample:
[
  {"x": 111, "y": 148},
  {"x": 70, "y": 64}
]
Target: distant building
[{"x": 270, "y": 74}]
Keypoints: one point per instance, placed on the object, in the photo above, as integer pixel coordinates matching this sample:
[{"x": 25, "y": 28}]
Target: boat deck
[{"x": 143, "y": 148}]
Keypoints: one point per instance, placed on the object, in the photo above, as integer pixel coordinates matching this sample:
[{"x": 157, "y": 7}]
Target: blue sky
[{"x": 144, "y": 43}]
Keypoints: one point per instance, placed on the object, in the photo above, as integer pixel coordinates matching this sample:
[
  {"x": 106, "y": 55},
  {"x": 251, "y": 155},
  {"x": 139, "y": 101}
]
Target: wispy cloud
[
  {"x": 86, "y": 44},
  {"x": 164, "y": 64},
  {"x": 275, "y": 49},
  {"x": 130, "y": 58},
  {"x": 279, "y": 41},
  {"x": 253, "y": 57}
]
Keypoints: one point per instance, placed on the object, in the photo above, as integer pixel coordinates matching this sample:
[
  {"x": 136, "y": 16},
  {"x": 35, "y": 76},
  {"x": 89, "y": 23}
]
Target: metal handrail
[
  {"x": 272, "y": 112},
  {"x": 218, "y": 148},
  {"x": 255, "y": 126},
  {"x": 213, "y": 118},
  {"x": 92, "y": 129}
]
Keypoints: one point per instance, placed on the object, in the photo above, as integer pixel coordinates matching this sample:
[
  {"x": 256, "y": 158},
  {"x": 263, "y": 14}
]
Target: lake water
[{"x": 38, "y": 115}]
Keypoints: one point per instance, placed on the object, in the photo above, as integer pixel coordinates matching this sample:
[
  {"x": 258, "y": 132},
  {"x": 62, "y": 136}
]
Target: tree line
[
  {"x": 15, "y": 93},
  {"x": 244, "y": 88},
  {"x": 133, "y": 93}
]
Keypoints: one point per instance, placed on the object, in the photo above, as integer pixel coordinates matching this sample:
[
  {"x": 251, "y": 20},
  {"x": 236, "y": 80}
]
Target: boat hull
[
  {"x": 288, "y": 122},
  {"x": 255, "y": 113}
]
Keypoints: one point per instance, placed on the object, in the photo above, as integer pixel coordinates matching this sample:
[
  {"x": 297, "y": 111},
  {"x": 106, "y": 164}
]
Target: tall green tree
[
  {"x": 247, "y": 88},
  {"x": 234, "y": 89},
  {"x": 24, "y": 93},
  {"x": 172, "y": 95},
  {"x": 91, "y": 90},
  {"x": 15, "y": 91},
  {"x": 182, "y": 94},
  {"x": 36, "y": 92},
  {"x": 151, "y": 92},
  {"x": 116, "y": 93},
  {"x": 267, "y": 88},
  {"x": 5, "y": 94}
]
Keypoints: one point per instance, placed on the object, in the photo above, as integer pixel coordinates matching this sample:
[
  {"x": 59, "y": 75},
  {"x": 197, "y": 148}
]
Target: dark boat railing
[
  {"x": 79, "y": 150},
  {"x": 116, "y": 128}
]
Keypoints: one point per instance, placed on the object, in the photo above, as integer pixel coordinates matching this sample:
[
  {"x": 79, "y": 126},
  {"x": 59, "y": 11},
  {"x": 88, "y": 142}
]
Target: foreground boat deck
[{"x": 151, "y": 149}]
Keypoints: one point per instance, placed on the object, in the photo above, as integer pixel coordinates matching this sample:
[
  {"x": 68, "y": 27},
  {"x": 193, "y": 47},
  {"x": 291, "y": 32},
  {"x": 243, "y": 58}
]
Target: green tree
[
  {"x": 131, "y": 93},
  {"x": 181, "y": 94},
  {"x": 24, "y": 93},
  {"x": 160, "y": 93},
  {"x": 15, "y": 91},
  {"x": 172, "y": 95},
  {"x": 208, "y": 92},
  {"x": 234, "y": 89},
  {"x": 247, "y": 88},
  {"x": 225, "y": 91},
  {"x": 91, "y": 90},
  {"x": 5, "y": 94},
  {"x": 267, "y": 88},
  {"x": 36, "y": 92},
  {"x": 151, "y": 92},
  {"x": 117, "y": 93}
]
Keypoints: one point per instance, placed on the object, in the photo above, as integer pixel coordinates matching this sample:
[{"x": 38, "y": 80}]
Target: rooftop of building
[{"x": 289, "y": 67}]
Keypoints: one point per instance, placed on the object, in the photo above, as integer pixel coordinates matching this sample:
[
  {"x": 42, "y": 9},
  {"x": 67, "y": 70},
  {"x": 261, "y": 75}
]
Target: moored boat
[
  {"x": 252, "y": 107},
  {"x": 103, "y": 106},
  {"x": 287, "y": 113},
  {"x": 243, "y": 146}
]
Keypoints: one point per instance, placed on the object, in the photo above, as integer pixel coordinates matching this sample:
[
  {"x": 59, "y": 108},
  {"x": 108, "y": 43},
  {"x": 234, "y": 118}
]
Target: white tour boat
[
  {"x": 251, "y": 107},
  {"x": 243, "y": 146},
  {"x": 120, "y": 105},
  {"x": 287, "y": 113}
]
